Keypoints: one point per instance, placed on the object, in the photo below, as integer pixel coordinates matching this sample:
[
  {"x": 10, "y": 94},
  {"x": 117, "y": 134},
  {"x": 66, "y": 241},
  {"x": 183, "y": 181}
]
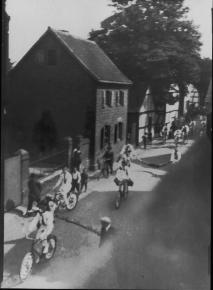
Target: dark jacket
[{"x": 34, "y": 188}]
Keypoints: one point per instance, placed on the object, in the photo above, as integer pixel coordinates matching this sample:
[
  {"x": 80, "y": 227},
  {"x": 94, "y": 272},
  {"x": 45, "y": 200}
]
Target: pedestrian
[
  {"x": 76, "y": 180},
  {"x": 64, "y": 184},
  {"x": 34, "y": 192},
  {"x": 144, "y": 139},
  {"x": 150, "y": 136},
  {"x": 76, "y": 160},
  {"x": 108, "y": 158},
  {"x": 175, "y": 156},
  {"x": 84, "y": 179}
]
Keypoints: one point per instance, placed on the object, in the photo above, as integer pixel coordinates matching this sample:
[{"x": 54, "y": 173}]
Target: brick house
[{"x": 79, "y": 86}]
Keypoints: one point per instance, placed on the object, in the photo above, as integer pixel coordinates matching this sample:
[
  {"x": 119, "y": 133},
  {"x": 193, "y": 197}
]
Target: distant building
[
  {"x": 191, "y": 99},
  {"x": 171, "y": 111},
  {"x": 80, "y": 87}
]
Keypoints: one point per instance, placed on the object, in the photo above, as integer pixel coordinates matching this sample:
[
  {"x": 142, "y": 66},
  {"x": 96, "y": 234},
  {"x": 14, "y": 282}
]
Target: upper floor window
[
  {"x": 39, "y": 57},
  {"x": 121, "y": 98},
  {"x": 117, "y": 98},
  {"x": 51, "y": 57},
  {"x": 109, "y": 98},
  {"x": 102, "y": 100}
]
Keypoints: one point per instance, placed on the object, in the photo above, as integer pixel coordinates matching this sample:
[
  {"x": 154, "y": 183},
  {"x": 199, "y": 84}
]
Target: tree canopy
[{"x": 152, "y": 41}]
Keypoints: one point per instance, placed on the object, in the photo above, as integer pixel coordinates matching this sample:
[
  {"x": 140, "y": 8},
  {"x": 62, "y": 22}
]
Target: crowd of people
[{"x": 75, "y": 179}]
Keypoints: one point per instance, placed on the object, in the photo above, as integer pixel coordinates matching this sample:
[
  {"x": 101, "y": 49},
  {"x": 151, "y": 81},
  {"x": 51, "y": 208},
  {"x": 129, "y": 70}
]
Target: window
[
  {"x": 107, "y": 130},
  {"x": 121, "y": 99},
  {"x": 109, "y": 98},
  {"x": 105, "y": 136},
  {"x": 102, "y": 139},
  {"x": 117, "y": 98},
  {"x": 102, "y": 100},
  {"x": 39, "y": 57},
  {"x": 116, "y": 133},
  {"x": 51, "y": 57},
  {"x": 120, "y": 130}
]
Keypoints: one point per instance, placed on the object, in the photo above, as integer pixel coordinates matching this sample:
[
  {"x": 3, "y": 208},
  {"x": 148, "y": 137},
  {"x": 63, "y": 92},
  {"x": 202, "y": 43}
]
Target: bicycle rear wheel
[{"x": 26, "y": 266}]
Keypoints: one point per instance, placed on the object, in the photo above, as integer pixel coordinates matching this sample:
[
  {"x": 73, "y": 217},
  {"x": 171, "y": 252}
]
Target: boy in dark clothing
[
  {"x": 144, "y": 140},
  {"x": 84, "y": 179},
  {"x": 34, "y": 191},
  {"x": 76, "y": 160}
]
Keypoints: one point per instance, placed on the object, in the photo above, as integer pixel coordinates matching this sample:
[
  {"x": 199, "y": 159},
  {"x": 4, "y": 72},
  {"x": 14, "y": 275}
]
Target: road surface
[{"x": 159, "y": 240}]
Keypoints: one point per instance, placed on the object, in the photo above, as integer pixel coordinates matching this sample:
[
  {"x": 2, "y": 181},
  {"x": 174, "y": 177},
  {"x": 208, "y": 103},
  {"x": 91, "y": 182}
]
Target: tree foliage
[
  {"x": 205, "y": 77},
  {"x": 152, "y": 41}
]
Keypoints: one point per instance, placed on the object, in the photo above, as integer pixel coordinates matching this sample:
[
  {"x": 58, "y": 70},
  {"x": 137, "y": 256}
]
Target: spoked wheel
[
  {"x": 73, "y": 200},
  {"x": 26, "y": 266},
  {"x": 52, "y": 247}
]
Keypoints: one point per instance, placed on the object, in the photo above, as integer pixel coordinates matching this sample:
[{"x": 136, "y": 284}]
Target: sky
[{"x": 30, "y": 19}]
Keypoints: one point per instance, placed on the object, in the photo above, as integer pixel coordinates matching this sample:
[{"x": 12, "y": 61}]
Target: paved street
[{"x": 163, "y": 227}]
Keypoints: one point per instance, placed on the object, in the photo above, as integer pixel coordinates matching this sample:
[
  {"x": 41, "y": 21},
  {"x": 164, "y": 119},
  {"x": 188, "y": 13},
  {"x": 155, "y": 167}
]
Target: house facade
[
  {"x": 192, "y": 98},
  {"x": 146, "y": 116},
  {"x": 73, "y": 82},
  {"x": 171, "y": 111}
]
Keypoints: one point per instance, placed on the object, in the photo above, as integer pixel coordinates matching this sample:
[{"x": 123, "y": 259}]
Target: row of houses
[{"x": 84, "y": 94}]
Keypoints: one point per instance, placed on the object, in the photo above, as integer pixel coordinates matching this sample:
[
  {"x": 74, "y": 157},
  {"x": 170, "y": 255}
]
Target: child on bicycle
[
  {"x": 122, "y": 174},
  {"x": 43, "y": 222}
]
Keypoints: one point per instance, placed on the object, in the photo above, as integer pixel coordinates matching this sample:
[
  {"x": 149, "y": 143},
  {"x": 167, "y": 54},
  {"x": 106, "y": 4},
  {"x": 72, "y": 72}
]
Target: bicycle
[
  {"x": 123, "y": 193},
  {"x": 37, "y": 254}
]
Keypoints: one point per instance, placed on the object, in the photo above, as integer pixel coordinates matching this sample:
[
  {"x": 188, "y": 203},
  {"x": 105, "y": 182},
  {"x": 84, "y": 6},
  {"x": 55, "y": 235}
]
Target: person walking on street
[
  {"x": 64, "y": 183},
  {"x": 144, "y": 139},
  {"x": 108, "y": 158},
  {"x": 76, "y": 160},
  {"x": 84, "y": 179},
  {"x": 34, "y": 192},
  {"x": 175, "y": 156},
  {"x": 76, "y": 180}
]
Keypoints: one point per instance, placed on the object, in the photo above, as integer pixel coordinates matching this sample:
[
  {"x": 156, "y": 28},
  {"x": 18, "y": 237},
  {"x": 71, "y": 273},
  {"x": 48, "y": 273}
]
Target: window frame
[
  {"x": 108, "y": 97},
  {"x": 51, "y": 59},
  {"x": 121, "y": 98}
]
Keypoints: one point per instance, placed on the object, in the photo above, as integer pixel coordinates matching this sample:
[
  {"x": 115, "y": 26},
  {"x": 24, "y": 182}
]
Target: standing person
[
  {"x": 144, "y": 139},
  {"x": 76, "y": 160},
  {"x": 150, "y": 136},
  {"x": 76, "y": 180},
  {"x": 175, "y": 156},
  {"x": 64, "y": 183},
  {"x": 108, "y": 158},
  {"x": 84, "y": 179},
  {"x": 111, "y": 160},
  {"x": 34, "y": 192},
  {"x": 164, "y": 132}
]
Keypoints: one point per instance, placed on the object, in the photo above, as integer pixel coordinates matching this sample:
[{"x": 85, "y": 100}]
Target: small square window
[
  {"x": 51, "y": 57},
  {"x": 39, "y": 57}
]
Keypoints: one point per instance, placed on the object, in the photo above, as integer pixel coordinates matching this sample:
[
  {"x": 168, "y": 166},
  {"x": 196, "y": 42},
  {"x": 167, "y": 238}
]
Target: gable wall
[{"x": 65, "y": 89}]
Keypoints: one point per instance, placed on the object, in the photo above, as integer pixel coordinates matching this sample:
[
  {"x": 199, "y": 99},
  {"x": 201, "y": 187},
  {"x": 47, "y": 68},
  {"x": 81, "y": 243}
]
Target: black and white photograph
[{"x": 106, "y": 143}]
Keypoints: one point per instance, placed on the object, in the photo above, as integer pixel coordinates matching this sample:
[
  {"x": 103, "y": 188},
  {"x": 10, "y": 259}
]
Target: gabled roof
[{"x": 91, "y": 57}]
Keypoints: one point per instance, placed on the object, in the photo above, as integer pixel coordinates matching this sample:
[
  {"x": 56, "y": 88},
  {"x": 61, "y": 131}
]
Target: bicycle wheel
[
  {"x": 26, "y": 266},
  {"x": 73, "y": 200}
]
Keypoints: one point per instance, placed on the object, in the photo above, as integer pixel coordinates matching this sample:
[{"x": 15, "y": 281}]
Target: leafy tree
[
  {"x": 152, "y": 41},
  {"x": 205, "y": 77}
]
